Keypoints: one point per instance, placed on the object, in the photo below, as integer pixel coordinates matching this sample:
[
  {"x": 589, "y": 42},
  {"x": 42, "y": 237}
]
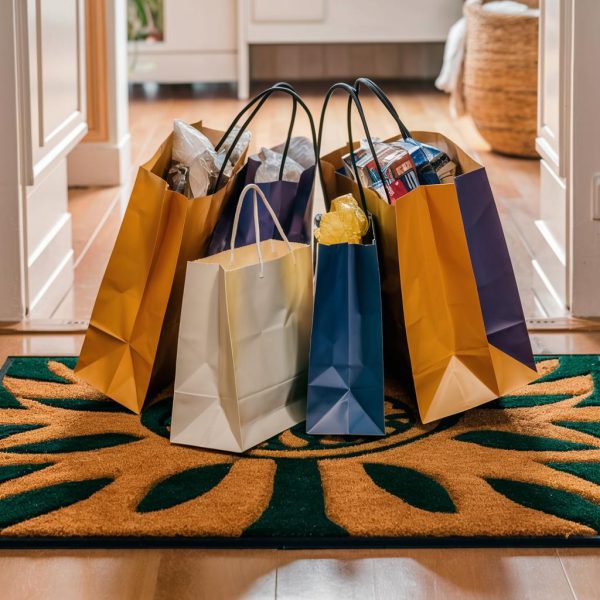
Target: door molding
[{"x": 97, "y": 71}]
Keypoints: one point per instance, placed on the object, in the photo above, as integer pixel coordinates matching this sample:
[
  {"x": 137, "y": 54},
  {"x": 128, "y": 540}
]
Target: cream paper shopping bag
[{"x": 242, "y": 356}]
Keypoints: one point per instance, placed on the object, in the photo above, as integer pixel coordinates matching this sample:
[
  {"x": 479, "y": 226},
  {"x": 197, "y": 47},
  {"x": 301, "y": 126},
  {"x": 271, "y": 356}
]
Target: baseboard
[
  {"x": 41, "y": 326},
  {"x": 563, "y": 324},
  {"x": 100, "y": 163}
]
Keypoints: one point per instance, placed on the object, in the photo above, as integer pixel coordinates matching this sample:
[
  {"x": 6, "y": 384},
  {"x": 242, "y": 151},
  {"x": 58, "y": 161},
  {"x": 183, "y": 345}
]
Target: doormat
[{"x": 78, "y": 470}]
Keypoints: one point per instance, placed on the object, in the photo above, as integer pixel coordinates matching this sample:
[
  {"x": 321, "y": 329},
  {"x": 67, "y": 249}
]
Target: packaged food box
[{"x": 397, "y": 166}]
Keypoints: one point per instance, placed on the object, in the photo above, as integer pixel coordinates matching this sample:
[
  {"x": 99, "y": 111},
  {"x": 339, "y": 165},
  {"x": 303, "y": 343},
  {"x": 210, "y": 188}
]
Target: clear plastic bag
[
  {"x": 240, "y": 147},
  {"x": 301, "y": 150},
  {"x": 270, "y": 162},
  {"x": 193, "y": 149}
]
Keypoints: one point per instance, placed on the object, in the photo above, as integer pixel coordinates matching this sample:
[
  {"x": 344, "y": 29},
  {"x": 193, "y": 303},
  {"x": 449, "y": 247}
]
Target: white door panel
[
  {"x": 55, "y": 80},
  {"x": 59, "y": 89},
  {"x": 42, "y": 117}
]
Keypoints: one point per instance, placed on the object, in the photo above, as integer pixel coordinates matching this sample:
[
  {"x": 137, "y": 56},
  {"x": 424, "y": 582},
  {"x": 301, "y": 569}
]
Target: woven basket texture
[{"x": 500, "y": 77}]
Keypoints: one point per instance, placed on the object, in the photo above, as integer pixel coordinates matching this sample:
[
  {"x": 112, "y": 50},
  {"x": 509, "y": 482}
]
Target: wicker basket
[{"x": 500, "y": 77}]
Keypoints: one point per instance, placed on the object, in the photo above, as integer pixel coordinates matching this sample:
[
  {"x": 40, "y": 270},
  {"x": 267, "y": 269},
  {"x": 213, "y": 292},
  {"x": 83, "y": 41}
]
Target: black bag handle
[
  {"x": 259, "y": 100},
  {"x": 379, "y": 93},
  {"x": 245, "y": 125},
  {"x": 352, "y": 97}
]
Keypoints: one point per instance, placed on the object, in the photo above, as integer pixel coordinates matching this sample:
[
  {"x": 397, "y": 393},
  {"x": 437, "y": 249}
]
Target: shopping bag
[
  {"x": 242, "y": 355},
  {"x": 127, "y": 352},
  {"x": 445, "y": 262},
  {"x": 345, "y": 376},
  {"x": 291, "y": 201}
]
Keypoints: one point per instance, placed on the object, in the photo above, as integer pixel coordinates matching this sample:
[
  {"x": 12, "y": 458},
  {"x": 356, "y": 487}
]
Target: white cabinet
[
  {"x": 42, "y": 103},
  {"x": 210, "y": 41},
  {"x": 199, "y": 45},
  {"x": 337, "y": 21}
]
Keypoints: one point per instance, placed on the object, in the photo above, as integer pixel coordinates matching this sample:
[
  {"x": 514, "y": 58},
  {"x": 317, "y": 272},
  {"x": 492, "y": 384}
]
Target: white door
[
  {"x": 42, "y": 103},
  {"x": 566, "y": 264}
]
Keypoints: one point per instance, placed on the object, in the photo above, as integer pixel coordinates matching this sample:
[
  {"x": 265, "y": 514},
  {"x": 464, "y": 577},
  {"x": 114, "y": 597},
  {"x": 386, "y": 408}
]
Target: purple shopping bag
[
  {"x": 292, "y": 201},
  {"x": 496, "y": 284}
]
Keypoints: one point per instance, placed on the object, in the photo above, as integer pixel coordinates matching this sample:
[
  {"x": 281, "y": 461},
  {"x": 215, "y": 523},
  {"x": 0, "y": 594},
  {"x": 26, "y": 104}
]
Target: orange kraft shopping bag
[{"x": 129, "y": 348}]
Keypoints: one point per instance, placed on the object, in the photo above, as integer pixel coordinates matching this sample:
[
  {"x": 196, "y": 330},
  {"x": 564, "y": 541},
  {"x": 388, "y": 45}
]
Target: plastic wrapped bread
[
  {"x": 270, "y": 162},
  {"x": 301, "y": 149},
  {"x": 241, "y": 145}
]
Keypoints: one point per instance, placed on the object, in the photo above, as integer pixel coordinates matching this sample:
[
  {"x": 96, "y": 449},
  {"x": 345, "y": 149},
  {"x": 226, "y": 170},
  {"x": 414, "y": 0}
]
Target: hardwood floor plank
[
  {"x": 138, "y": 575},
  {"x": 582, "y": 568},
  {"x": 216, "y": 575},
  {"x": 89, "y": 575},
  {"x": 460, "y": 574}
]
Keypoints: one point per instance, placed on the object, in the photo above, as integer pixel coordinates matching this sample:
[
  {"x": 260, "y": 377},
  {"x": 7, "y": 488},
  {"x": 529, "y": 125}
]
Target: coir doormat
[{"x": 78, "y": 470}]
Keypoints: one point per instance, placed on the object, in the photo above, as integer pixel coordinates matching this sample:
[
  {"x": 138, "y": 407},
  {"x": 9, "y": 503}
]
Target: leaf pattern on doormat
[{"x": 75, "y": 464}]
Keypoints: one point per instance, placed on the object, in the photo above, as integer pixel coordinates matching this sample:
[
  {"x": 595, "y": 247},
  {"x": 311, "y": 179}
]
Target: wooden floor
[{"x": 382, "y": 574}]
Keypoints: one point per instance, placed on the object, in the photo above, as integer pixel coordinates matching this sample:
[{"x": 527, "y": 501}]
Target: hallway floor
[{"x": 502, "y": 573}]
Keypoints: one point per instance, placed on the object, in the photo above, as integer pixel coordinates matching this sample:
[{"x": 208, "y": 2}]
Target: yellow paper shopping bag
[
  {"x": 128, "y": 350},
  {"x": 454, "y": 365}
]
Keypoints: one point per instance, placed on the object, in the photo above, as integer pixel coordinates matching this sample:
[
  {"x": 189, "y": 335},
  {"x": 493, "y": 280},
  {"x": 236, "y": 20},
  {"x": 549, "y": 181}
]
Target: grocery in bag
[
  {"x": 195, "y": 162},
  {"x": 127, "y": 352},
  {"x": 242, "y": 354},
  {"x": 286, "y": 176},
  {"x": 453, "y": 322}
]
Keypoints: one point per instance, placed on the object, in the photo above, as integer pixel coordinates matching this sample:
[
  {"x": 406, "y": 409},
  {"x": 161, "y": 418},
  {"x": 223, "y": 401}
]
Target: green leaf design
[
  {"x": 12, "y": 429},
  {"x": 34, "y": 367},
  {"x": 573, "y": 365},
  {"x": 413, "y": 487},
  {"x": 589, "y": 427},
  {"x": 81, "y": 404},
  {"x": 157, "y": 417},
  {"x": 80, "y": 443},
  {"x": 9, "y": 472},
  {"x": 576, "y": 365},
  {"x": 590, "y": 471},
  {"x": 182, "y": 487},
  {"x": 525, "y": 401},
  {"x": 34, "y": 503},
  {"x": 7, "y": 400},
  {"x": 297, "y": 506},
  {"x": 506, "y": 440},
  {"x": 565, "y": 505}
]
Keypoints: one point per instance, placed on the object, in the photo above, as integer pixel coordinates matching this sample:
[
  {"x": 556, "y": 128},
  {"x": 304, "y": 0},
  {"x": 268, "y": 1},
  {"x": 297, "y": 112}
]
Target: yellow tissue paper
[{"x": 346, "y": 223}]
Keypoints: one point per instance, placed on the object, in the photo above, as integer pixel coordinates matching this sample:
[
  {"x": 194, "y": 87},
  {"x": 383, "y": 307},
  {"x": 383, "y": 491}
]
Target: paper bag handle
[
  {"x": 236, "y": 219},
  {"x": 371, "y": 85},
  {"x": 352, "y": 97},
  {"x": 260, "y": 99}
]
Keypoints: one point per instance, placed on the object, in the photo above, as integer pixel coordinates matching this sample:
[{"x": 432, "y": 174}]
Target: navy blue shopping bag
[
  {"x": 345, "y": 376},
  {"x": 292, "y": 201}
]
